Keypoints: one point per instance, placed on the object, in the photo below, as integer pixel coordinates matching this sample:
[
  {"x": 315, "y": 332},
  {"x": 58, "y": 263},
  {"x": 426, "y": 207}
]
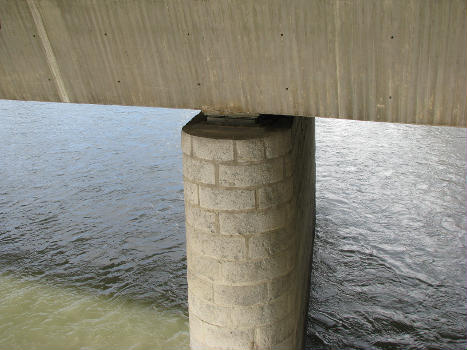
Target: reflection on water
[{"x": 92, "y": 249}]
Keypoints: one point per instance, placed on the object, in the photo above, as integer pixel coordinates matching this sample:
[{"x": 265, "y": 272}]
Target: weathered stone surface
[
  {"x": 186, "y": 143},
  {"x": 196, "y": 344},
  {"x": 191, "y": 192},
  {"x": 214, "y": 245},
  {"x": 226, "y": 199},
  {"x": 278, "y": 145},
  {"x": 288, "y": 343},
  {"x": 288, "y": 166},
  {"x": 252, "y": 222},
  {"x": 248, "y": 221},
  {"x": 281, "y": 285},
  {"x": 197, "y": 170},
  {"x": 275, "y": 333},
  {"x": 260, "y": 314},
  {"x": 200, "y": 287},
  {"x": 212, "y": 149},
  {"x": 211, "y": 313},
  {"x": 278, "y": 193},
  {"x": 270, "y": 243},
  {"x": 224, "y": 338},
  {"x": 200, "y": 219},
  {"x": 256, "y": 270},
  {"x": 251, "y": 174},
  {"x": 241, "y": 295},
  {"x": 303, "y": 210},
  {"x": 204, "y": 266},
  {"x": 250, "y": 150}
]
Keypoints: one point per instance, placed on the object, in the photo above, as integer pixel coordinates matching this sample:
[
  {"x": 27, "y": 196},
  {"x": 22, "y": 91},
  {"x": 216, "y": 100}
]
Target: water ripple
[{"x": 92, "y": 244}]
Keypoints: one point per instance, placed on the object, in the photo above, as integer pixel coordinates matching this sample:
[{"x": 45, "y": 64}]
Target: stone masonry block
[
  {"x": 287, "y": 344},
  {"x": 222, "y": 338},
  {"x": 203, "y": 266},
  {"x": 278, "y": 144},
  {"x": 200, "y": 287},
  {"x": 291, "y": 211},
  {"x": 251, "y": 150},
  {"x": 196, "y": 344},
  {"x": 249, "y": 217},
  {"x": 191, "y": 192},
  {"x": 241, "y": 295},
  {"x": 288, "y": 166},
  {"x": 200, "y": 219},
  {"x": 218, "y": 246},
  {"x": 270, "y": 243},
  {"x": 260, "y": 314},
  {"x": 278, "y": 193},
  {"x": 267, "y": 337},
  {"x": 199, "y": 170},
  {"x": 252, "y": 174},
  {"x": 226, "y": 199},
  {"x": 186, "y": 143},
  {"x": 252, "y": 222},
  {"x": 296, "y": 307},
  {"x": 211, "y": 313},
  {"x": 281, "y": 285},
  {"x": 219, "y": 150},
  {"x": 256, "y": 270}
]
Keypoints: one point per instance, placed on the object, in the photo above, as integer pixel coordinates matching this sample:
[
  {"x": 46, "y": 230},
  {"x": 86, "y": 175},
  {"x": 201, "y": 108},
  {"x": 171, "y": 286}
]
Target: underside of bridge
[
  {"x": 260, "y": 71},
  {"x": 383, "y": 60}
]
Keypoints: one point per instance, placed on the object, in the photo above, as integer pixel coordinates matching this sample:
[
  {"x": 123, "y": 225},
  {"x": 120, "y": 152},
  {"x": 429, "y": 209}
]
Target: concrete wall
[
  {"x": 303, "y": 132},
  {"x": 384, "y": 60},
  {"x": 249, "y": 201}
]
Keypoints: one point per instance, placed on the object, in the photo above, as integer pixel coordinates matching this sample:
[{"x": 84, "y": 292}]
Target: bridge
[{"x": 259, "y": 71}]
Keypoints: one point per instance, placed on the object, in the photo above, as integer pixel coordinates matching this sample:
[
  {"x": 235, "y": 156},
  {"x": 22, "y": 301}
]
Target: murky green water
[
  {"x": 37, "y": 315},
  {"x": 92, "y": 238}
]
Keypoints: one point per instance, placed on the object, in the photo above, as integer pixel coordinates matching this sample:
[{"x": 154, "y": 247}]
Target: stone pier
[{"x": 250, "y": 209}]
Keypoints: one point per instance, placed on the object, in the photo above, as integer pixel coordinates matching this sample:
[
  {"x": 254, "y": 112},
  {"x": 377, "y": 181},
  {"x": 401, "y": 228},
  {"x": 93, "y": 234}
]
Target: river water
[{"x": 92, "y": 246}]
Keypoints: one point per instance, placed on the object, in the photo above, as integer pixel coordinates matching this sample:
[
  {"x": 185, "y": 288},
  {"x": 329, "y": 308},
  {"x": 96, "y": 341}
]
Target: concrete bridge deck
[{"x": 383, "y": 60}]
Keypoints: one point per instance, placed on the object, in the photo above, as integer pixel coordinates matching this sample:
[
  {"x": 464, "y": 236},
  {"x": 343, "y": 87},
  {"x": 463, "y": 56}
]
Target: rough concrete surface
[{"x": 383, "y": 60}]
